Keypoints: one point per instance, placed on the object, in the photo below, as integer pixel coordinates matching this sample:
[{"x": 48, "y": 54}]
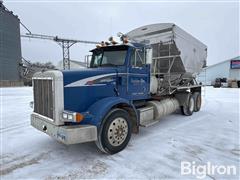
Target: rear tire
[
  {"x": 188, "y": 109},
  {"x": 115, "y": 132},
  {"x": 197, "y": 101}
]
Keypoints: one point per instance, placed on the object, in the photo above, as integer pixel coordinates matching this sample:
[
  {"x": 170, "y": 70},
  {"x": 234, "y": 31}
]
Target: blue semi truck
[{"x": 129, "y": 85}]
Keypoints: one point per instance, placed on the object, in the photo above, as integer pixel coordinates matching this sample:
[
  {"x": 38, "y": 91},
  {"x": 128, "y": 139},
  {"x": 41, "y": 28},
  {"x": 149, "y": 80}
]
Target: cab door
[{"x": 138, "y": 84}]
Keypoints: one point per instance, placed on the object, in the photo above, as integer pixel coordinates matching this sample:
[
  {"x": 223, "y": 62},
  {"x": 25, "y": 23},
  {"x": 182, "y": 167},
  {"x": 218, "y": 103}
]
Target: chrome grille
[{"x": 43, "y": 97}]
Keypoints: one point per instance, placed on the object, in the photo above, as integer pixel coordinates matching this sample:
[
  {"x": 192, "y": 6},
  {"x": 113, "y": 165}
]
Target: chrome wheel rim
[{"x": 117, "y": 131}]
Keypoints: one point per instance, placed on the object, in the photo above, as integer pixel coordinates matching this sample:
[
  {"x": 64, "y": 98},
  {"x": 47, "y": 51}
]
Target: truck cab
[{"x": 72, "y": 106}]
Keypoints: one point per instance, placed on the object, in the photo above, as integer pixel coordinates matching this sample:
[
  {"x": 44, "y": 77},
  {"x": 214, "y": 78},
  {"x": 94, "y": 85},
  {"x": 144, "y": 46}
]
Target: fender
[{"x": 99, "y": 109}]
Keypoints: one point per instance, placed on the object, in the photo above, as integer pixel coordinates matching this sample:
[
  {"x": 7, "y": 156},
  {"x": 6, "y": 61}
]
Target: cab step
[{"x": 149, "y": 123}]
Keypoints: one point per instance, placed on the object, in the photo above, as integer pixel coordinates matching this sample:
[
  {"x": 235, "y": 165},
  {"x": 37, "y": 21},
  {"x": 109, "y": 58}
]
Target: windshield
[{"x": 108, "y": 57}]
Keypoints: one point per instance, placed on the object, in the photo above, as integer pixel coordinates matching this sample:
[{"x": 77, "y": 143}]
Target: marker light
[
  {"x": 112, "y": 40},
  {"x": 125, "y": 40},
  {"x": 79, "y": 117},
  {"x": 107, "y": 43},
  {"x": 98, "y": 46},
  {"x": 102, "y": 43}
]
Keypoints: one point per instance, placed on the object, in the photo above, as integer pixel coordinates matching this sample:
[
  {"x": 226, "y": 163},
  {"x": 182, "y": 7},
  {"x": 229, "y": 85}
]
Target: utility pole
[
  {"x": 66, "y": 53},
  {"x": 64, "y": 43}
]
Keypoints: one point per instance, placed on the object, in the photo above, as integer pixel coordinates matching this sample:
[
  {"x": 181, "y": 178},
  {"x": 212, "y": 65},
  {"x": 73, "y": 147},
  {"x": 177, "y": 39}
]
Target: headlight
[
  {"x": 65, "y": 115},
  {"x": 70, "y": 117}
]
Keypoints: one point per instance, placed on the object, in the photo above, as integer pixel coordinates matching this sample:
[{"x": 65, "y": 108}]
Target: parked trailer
[{"x": 150, "y": 75}]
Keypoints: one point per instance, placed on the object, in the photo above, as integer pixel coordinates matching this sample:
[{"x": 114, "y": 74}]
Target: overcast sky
[{"x": 216, "y": 24}]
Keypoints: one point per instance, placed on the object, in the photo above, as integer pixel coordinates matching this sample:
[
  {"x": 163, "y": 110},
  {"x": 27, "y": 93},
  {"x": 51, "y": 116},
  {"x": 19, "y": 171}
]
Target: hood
[{"x": 84, "y": 87}]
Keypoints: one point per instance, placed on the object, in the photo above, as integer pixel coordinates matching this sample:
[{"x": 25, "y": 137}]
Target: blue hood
[{"x": 79, "y": 95}]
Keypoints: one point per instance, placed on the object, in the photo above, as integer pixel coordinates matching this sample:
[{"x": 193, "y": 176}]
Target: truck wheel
[
  {"x": 115, "y": 132},
  {"x": 188, "y": 109},
  {"x": 197, "y": 101}
]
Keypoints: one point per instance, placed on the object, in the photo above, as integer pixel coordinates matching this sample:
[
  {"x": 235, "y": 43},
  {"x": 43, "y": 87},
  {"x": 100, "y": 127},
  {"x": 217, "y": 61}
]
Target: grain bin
[{"x": 10, "y": 46}]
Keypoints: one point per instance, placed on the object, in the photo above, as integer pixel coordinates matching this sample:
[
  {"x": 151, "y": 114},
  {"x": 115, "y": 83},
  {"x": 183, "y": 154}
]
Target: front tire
[{"x": 115, "y": 131}]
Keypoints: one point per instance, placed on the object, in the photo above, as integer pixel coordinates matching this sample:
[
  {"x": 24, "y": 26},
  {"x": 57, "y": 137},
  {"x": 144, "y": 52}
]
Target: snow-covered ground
[{"x": 211, "y": 135}]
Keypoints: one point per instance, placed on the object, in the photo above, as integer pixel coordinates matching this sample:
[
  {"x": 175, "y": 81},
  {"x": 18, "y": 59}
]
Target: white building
[{"x": 229, "y": 69}]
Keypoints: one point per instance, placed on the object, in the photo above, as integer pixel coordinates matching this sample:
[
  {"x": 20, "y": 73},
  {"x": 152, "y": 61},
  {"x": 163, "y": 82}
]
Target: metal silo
[{"x": 10, "y": 46}]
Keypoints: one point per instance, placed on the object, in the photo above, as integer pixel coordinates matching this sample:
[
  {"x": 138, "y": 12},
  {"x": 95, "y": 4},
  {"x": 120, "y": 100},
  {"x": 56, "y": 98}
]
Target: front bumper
[{"x": 66, "y": 134}]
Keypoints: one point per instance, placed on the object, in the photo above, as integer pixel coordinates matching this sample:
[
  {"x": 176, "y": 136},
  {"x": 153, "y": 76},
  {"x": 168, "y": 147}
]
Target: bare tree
[{"x": 47, "y": 65}]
